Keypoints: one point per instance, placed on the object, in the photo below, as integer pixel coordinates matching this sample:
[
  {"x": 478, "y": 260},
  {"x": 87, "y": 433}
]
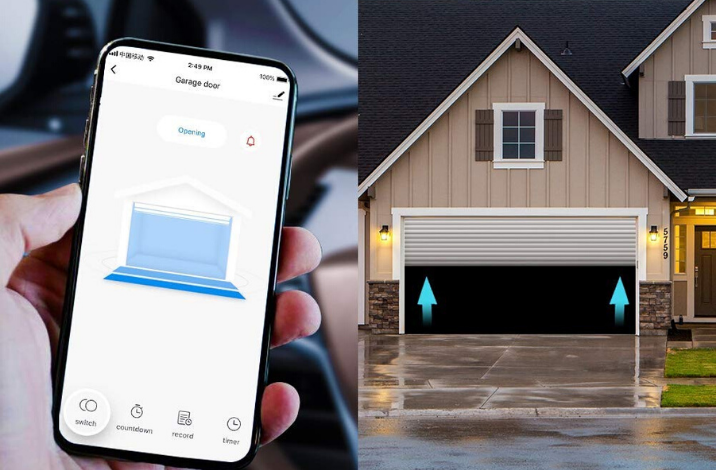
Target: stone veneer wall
[
  {"x": 655, "y": 307},
  {"x": 384, "y": 306}
]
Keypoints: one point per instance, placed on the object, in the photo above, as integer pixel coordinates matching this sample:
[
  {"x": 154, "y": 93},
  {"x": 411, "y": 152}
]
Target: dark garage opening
[{"x": 520, "y": 299}]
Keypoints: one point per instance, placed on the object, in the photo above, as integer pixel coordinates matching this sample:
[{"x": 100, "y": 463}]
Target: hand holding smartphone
[{"x": 170, "y": 297}]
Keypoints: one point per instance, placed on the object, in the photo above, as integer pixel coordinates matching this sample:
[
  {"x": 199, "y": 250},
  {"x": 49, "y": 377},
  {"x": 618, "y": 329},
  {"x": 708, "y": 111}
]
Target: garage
[
  {"x": 179, "y": 241},
  {"x": 544, "y": 271}
]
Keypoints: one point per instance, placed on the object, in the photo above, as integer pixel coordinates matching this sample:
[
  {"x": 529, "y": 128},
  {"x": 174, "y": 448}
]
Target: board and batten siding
[
  {"x": 681, "y": 54},
  {"x": 439, "y": 169}
]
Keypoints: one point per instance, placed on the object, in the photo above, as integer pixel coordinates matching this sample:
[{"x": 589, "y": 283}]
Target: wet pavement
[
  {"x": 456, "y": 372},
  {"x": 537, "y": 443}
]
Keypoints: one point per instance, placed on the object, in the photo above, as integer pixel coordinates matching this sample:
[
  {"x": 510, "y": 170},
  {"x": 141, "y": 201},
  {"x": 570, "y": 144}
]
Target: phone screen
[{"x": 175, "y": 262}]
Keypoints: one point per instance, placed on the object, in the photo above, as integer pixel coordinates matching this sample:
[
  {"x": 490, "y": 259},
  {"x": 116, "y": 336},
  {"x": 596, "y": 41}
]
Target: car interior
[{"x": 44, "y": 102}]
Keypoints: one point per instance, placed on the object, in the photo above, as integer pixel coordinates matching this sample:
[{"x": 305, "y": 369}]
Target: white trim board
[
  {"x": 690, "y": 81},
  {"x": 398, "y": 245},
  {"x": 559, "y": 74},
  {"x": 662, "y": 37}
]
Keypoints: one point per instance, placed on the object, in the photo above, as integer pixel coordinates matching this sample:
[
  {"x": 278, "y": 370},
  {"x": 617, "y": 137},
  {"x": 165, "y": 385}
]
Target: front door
[{"x": 705, "y": 271}]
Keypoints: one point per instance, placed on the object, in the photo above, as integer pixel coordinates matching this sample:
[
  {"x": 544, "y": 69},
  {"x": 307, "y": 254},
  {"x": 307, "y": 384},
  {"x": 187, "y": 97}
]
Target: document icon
[{"x": 184, "y": 418}]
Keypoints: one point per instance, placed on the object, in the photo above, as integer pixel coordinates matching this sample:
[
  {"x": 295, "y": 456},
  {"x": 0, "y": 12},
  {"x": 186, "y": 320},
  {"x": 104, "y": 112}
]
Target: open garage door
[{"x": 520, "y": 274}]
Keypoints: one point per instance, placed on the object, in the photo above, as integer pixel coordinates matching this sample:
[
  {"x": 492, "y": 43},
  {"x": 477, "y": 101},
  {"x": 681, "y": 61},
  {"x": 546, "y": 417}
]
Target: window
[
  {"x": 709, "y": 31},
  {"x": 708, "y": 239},
  {"x": 518, "y": 134},
  {"x": 702, "y": 210},
  {"x": 519, "y": 131},
  {"x": 700, "y": 105},
  {"x": 704, "y": 118},
  {"x": 680, "y": 234}
]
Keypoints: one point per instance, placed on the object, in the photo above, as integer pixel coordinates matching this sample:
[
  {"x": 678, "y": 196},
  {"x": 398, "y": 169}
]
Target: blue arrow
[
  {"x": 427, "y": 300},
  {"x": 620, "y": 300}
]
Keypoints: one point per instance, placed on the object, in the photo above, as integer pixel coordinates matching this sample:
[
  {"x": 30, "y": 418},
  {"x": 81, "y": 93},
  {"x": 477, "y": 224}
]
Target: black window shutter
[
  {"x": 676, "y": 108},
  {"x": 484, "y": 135},
  {"x": 553, "y": 135}
]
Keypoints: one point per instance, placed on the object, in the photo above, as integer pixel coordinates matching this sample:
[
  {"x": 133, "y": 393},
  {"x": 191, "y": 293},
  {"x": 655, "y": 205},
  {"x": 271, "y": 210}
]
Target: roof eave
[{"x": 662, "y": 37}]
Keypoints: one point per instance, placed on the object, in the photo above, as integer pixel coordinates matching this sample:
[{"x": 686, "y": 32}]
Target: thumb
[{"x": 30, "y": 222}]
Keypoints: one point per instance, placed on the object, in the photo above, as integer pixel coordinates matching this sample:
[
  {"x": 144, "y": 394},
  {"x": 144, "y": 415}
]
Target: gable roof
[
  {"x": 185, "y": 180},
  {"x": 662, "y": 37},
  {"x": 511, "y": 39},
  {"x": 410, "y": 67}
]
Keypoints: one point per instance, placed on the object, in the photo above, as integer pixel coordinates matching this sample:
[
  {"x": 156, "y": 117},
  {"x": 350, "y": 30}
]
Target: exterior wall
[
  {"x": 681, "y": 54},
  {"x": 384, "y": 315},
  {"x": 655, "y": 307},
  {"x": 440, "y": 170}
]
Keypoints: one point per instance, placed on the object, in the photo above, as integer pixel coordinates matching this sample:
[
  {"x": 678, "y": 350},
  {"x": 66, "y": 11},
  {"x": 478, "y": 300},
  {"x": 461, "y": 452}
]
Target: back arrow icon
[{"x": 112, "y": 69}]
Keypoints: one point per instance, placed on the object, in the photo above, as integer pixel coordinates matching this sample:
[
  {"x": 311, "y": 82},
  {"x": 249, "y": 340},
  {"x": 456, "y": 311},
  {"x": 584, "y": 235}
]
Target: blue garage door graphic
[
  {"x": 173, "y": 241},
  {"x": 178, "y": 249}
]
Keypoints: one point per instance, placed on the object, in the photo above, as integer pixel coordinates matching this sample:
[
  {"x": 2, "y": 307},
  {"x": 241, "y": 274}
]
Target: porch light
[
  {"x": 384, "y": 233},
  {"x": 653, "y": 233}
]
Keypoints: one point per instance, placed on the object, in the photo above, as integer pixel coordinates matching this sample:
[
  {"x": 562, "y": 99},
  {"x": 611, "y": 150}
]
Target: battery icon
[{"x": 282, "y": 79}]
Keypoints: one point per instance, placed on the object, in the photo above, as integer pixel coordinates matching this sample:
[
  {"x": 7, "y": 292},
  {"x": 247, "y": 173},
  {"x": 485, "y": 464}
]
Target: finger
[
  {"x": 280, "y": 405},
  {"x": 297, "y": 315},
  {"x": 300, "y": 253},
  {"x": 30, "y": 222},
  {"x": 42, "y": 275},
  {"x": 56, "y": 255}
]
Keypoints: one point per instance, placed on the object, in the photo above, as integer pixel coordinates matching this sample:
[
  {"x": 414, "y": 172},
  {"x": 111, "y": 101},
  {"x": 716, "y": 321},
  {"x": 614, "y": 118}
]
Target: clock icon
[
  {"x": 136, "y": 411},
  {"x": 233, "y": 424}
]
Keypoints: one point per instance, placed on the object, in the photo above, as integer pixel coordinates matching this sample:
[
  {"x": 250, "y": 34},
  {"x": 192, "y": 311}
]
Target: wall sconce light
[
  {"x": 384, "y": 233},
  {"x": 653, "y": 233}
]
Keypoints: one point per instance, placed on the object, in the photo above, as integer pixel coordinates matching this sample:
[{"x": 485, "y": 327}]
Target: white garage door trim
[{"x": 639, "y": 215}]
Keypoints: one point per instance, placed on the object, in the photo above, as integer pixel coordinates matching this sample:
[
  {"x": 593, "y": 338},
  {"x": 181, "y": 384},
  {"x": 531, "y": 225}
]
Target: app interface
[{"x": 165, "y": 342}]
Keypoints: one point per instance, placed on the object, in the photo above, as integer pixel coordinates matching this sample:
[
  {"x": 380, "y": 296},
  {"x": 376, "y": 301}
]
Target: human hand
[{"x": 32, "y": 289}]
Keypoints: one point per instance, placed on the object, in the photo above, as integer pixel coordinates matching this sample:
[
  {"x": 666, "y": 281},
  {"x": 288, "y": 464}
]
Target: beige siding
[
  {"x": 439, "y": 169},
  {"x": 681, "y": 54}
]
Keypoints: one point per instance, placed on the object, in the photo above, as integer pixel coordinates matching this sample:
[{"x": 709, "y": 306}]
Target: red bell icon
[{"x": 250, "y": 141}]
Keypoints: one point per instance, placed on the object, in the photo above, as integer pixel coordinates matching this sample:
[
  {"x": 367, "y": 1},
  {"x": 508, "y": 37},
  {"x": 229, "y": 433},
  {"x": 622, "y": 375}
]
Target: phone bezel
[{"x": 85, "y": 174}]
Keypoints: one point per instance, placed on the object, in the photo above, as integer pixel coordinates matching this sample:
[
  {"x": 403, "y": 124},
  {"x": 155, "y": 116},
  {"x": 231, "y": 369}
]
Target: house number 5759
[{"x": 666, "y": 246}]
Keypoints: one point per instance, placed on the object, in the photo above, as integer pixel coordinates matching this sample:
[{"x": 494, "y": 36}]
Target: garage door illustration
[
  {"x": 519, "y": 274},
  {"x": 178, "y": 249}
]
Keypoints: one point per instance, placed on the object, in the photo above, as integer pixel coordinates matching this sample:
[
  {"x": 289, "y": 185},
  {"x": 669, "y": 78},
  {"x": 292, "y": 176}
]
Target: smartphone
[{"x": 171, "y": 290}]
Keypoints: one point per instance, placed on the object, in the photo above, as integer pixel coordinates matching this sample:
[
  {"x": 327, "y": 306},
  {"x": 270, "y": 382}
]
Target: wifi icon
[{"x": 150, "y": 58}]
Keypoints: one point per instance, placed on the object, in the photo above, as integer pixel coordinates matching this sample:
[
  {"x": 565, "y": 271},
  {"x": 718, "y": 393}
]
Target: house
[
  {"x": 179, "y": 234},
  {"x": 536, "y": 167}
]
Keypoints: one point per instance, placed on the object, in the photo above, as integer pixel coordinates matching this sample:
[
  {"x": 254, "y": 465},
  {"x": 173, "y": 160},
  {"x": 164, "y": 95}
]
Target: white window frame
[
  {"x": 708, "y": 42},
  {"x": 539, "y": 160},
  {"x": 690, "y": 81}
]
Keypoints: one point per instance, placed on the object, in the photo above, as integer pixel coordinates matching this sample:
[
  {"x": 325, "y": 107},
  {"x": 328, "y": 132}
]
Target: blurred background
[{"x": 48, "y": 49}]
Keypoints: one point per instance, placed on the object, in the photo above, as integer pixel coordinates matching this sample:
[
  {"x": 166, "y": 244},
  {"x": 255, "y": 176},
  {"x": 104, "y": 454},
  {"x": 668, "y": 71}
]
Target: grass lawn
[
  {"x": 690, "y": 363},
  {"x": 688, "y": 395}
]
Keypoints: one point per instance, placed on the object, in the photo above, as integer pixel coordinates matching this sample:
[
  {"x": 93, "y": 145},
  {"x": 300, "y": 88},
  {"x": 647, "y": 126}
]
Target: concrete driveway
[
  {"x": 648, "y": 443},
  {"x": 415, "y": 373}
]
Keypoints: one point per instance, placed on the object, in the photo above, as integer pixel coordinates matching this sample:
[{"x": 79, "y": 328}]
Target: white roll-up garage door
[{"x": 520, "y": 241}]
